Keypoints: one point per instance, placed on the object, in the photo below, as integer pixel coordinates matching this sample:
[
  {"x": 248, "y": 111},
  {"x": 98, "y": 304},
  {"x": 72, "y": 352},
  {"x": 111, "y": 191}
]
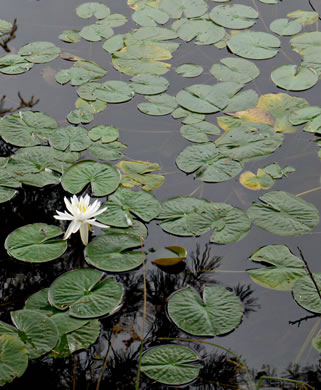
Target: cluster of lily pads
[{"x": 253, "y": 128}]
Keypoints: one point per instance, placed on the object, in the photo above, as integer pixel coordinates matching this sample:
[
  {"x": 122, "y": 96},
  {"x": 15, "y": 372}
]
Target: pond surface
[{"x": 269, "y": 338}]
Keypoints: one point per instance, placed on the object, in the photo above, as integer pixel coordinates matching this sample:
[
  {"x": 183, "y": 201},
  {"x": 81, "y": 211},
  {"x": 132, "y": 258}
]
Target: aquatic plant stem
[
  {"x": 74, "y": 373},
  {"x": 243, "y": 365},
  {"x": 309, "y": 272},
  {"x": 144, "y": 318},
  {"x": 282, "y": 380},
  {"x": 104, "y": 365},
  {"x": 308, "y": 192}
]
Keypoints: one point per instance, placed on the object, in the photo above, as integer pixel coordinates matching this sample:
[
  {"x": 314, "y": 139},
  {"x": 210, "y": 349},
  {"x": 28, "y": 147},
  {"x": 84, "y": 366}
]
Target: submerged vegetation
[{"x": 106, "y": 309}]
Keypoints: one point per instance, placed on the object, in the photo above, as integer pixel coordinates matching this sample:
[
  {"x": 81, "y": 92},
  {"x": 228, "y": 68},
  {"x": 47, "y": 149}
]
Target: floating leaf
[
  {"x": 87, "y": 10},
  {"x": 83, "y": 292},
  {"x": 189, "y": 70},
  {"x": 138, "y": 173},
  {"x": 316, "y": 343},
  {"x": 260, "y": 181},
  {"x": 177, "y": 8},
  {"x": 310, "y": 115},
  {"x": 27, "y": 128},
  {"x": 113, "y": 20},
  {"x": 305, "y": 293},
  {"x": 207, "y": 163},
  {"x": 234, "y": 16},
  {"x": 14, "y": 358},
  {"x": 150, "y": 17},
  {"x": 283, "y": 270},
  {"x": 70, "y": 36},
  {"x": 33, "y": 243},
  {"x": 103, "y": 177},
  {"x": 39, "y": 301},
  {"x": 218, "y": 312},
  {"x": 39, "y": 52},
  {"x": 205, "y": 32},
  {"x": 254, "y": 45},
  {"x": 198, "y": 132},
  {"x": 90, "y": 107},
  {"x": 235, "y": 69},
  {"x": 270, "y": 1},
  {"x": 80, "y": 73},
  {"x": 162, "y": 104},
  {"x": 114, "y": 43},
  {"x": 74, "y": 138},
  {"x": 304, "y": 17},
  {"x": 5, "y": 27},
  {"x": 114, "y": 91},
  {"x": 189, "y": 117},
  {"x": 107, "y": 151},
  {"x": 95, "y": 32},
  {"x": 6, "y": 194},
  {"x": 169, "y": 364},
  {"x": 147, "y": 84},
  {"x": 6, "y": 182},
  {"x": 284, "y": 26},
  {"x": 103, "y": 133},
  {"x": 36, "y": 330},
  {"x": 306, "y": 43},
  {"x": 293, "y": 79},
  {"x": 171, "y": 255},
  {"x": 113, "y": 251},
  {"x": 14, "y": 64},
  {"x": 284, "y": 214}
]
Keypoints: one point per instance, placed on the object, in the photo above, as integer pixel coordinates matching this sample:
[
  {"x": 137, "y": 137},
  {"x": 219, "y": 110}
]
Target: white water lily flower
[{"x": 81, "y": 216}]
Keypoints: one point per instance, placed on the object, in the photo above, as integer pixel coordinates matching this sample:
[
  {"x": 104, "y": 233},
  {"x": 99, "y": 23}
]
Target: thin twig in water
[
  {"x": 23, "y": 104},
  {"x": 303, "y": 319},
  {"x": 10, "y": 35},
  {"x": 309, "y": 272}
]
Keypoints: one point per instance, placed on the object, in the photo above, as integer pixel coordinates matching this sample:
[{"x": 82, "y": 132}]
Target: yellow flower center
[{"x": 82, "y": 208}]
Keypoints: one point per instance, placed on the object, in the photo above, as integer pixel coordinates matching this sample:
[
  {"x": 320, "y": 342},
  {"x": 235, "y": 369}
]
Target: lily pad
[
  {"x": 150, "y": 17},
  {"x": 87, "y": 10},
  {"x": 70, "y": 36},
  {"x": 39, "y": 52},
  {"x": 80, "y": 73},
  {"x": 107, "y": 151},
  {"x": 219, "y": 311},
  {"x": 147, "y": 84},
  {"x": 293, "y": 79},
  {"x": 162, "y": 104},
  {"x": 234, "y": 16},
  {"x": 235, "y": 69},
  {"x": 204, "y": 32},
  {"x": 198, "y": 132},
  {"x": 306, "y": 43},
  {"x": 305, "y": 293},
  {"x": 14, "y": 358},
  {"x": 310, "y": 115},
  {"x": 114, "y": 91},
  {"x": 169, "y": 364},
  {"x": 285, "y": 26},
  {"x": 207, "y": 163},
  {"x": 282, "y": 271},
  {"x": 177, "y": 8},
  {"x": 14, "y": 64},
  {"x": 27, "y": 128},
  {"x": 260, "y": 181},
  {"x": 36, "y": 330},
  {"x": 189, "y": 70},
  {"x": 254, "y": 45},
  {"x": 103, "y": 133},
  {"x": 83, "y": 292},
  {"x": 103, "y": 177},
  {"x": 284, "y": 214},
  {"x": 33, "y": 243},
  {"x": 304, "y": 17},
  {"x": 95, "y": 32},
  {"x": 74, "y": 138},
  {"x": 170, "y": 255}
]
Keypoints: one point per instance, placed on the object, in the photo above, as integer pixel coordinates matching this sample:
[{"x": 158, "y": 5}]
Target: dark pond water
[{"x": 266, "y": 340}]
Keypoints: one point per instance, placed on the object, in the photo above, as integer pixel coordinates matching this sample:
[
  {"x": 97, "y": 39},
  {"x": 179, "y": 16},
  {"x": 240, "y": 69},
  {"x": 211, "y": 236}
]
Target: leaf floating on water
[
  {"x": 306, "y": 43},
  {"x": 219, "y": 311},
  {"x": 150, "y": 17},
  {"x": 95, "y": 32},
  {"x": 148, "y": 84},
  {"x": 304, "y": 17},
  {"x": 305, "y": 293},
  {"x": 162, "y": 104},
  {"x": 103, "y": 133},
  {"x": 235, "y": 69},
  {"x": 284, "y": 214},
  {"x": 234, "y": 16},
  {"x": 260, "y": 181},
  {"x": 177, "y": 8},
  {"x": 204, "y": 32},
  {"x": 80, "y": 73},
  {"x": 309, "y": 115},
  {"x": 70, "y": 36},
  {"x": 282, "y": 271},
  {"x": 14, "y": 64},
  {"x": 189, "y": 70},
  {"x": 254, "y": 45},
  {"x": 170, "y": 364},
  {"x": 74, "y": 138},
  {"x": 39, "y": 52},
  {"x": 169, "y": 256},
  {"x": 87, "y": 10},
  {"x": 286, "y": 27},
  {"x": 198, "y": 132},
  {"x": 293, "y": 79}
]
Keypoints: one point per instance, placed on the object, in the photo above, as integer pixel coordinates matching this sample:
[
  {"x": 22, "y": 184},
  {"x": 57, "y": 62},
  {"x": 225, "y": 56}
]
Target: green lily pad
[
  {"x": 6, "y": 182},
  {"x": 125, "y": 201},
  {"x": 285, "y": 26},
  {"x": 74, "y": 138},
  {"x": 310, "y": 115},
  {"x": 107, "y": 151},
  {"x": 177, "y": 8},
  {"x": 305, "y": 293},
  {"x": 6, "y": 194},
  {"x": 89, "y": 107},
  {"x": 218, "y": 312},
  {"x": 27, "y": 128},
  {"x": 254, "y": 45},
  {"x": 39, "y": 301},
  {"x": 87, "y": 10},
  {"x": 14, "y": 64},
  {"x": 148, "y": 84},
  {"x": 316, "y": 343},
  {"x": 234, "y": 16},
  {"x": 189, "y": 70},
  {"x": 95, "y": 32},
  {"x": 284, "y": 214},
  {"x": 36, "y": 330},
  {"x": 169, "y": 364},
  {"x": 306, "y": 43},
  {"x": 114, "y": 91},
  {"x": 235, "y": 69},
  {"x": 114, "y": 43},
  {"x": 86, "y": 296},
  {"x": 170, "y": 255},
  {"x": 150, "y": 17},
  {"x": 204, "y": 32},
  {"x": 103, "y": 177},
  {"x": 14, "y": 358},
  {"x": 207, "y": 163},
  {"x": 162, "y": 104},
  {"x": 304, "y": 17},
  {"x": 293, "y": 79},
  {"x": 103, "y": 133},
  {"x": 32, "y": 243},
  {"x": 198, "y": 132},
  {"x": 80, "y": 73},
  {"x": 113, "y": 251},
  {"x": 113, "y": 20},
  {"x": 189, "y": 117},
  {"x": 39, "y": 52},
  {"x": 70, "y": 36},
  {"x": 252, "y": 141},
  {"x": 282, "y": 271}
]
